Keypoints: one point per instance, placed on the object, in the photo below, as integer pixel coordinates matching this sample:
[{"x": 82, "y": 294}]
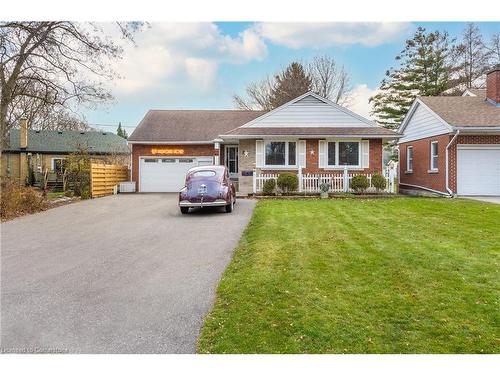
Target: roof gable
[
  {"x": 422, "y": 122},
  {"x": 310, "y": 110}
]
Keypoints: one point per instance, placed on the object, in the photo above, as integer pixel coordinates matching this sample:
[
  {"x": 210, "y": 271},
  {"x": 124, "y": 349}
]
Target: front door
[{"x": 231, "y": 160}]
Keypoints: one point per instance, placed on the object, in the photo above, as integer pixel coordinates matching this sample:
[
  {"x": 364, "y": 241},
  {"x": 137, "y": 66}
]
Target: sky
[{"x": 202, "y": 65}]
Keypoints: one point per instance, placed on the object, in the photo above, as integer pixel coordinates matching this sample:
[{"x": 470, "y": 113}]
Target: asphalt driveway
[{"x": 120, "y": 274}]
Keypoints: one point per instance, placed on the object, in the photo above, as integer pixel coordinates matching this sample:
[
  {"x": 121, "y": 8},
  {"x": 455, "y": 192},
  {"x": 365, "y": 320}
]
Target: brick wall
[
  {"x": 493, "y": 85},
  {"x": 139, "y": 150},
  {"x": 421, "y": 176},
  {"x": 421, "y": 160}
]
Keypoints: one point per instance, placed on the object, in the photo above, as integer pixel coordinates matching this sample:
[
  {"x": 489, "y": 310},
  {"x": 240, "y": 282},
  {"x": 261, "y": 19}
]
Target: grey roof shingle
[
  {"x": 312, "y": 131},
  {"x": 189, "y": 125},
  {"x": 69, "y": 141},
  {"x": 466, "y": 111}
]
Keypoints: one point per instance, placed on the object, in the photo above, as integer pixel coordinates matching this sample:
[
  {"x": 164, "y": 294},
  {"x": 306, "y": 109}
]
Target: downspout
[{"x": 447, "y": 163}]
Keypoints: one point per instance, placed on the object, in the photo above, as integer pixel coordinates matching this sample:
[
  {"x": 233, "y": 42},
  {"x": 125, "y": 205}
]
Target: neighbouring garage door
[
  {"x": 478, "y": 170},
  {"x": 166, "y": 174}
]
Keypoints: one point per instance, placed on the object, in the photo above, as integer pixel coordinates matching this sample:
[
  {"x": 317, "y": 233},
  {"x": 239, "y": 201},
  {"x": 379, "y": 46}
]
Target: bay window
[
  {"x": 343, "y": 153},
  {"x": 281, "y": 153}
]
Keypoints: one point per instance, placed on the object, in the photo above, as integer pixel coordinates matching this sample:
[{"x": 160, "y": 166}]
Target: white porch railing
[{"x": 337, "y": 182}]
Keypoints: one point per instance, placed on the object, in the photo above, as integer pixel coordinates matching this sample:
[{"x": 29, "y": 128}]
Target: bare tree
[
  {"x": 494, "y": 48},
  {"x": 330, "y": 80},
  {"x": 258, "y": 96},
  {"x": 56, "y": 64},
  {"x": 474, "y": 57}
]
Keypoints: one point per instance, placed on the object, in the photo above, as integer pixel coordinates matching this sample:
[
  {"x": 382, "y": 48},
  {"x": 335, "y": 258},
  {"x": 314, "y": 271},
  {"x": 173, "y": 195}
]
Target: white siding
[
  {"x": 310, "y": 112},
  {"x": 422, "y": 124}
]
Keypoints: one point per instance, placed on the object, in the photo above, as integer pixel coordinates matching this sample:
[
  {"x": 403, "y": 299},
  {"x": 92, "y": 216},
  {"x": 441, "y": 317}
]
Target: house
[
  {"x": 45, "y": 150},
  {"x": 309, "y": 133},
  {"x": 451, "y": 144}
]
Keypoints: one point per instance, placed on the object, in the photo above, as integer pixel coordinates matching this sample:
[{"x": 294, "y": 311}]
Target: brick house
[
  {"x": 309, "y": 133},
  {"x": 451, "y": 144}
]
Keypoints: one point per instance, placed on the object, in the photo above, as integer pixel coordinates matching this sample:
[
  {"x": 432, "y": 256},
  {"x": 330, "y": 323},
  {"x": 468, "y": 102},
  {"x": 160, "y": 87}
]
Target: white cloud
[
  {"x": 167, "y": 51},
  {"x": 361, "y": 95},
  {"x": 201, "y": 71},
  {"x": 322, "y": 35}
]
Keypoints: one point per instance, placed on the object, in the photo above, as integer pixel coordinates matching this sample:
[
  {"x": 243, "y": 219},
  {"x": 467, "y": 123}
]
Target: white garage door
[
  {"x": 166, "y": 174},
  {"x": 478, "y": 170}
]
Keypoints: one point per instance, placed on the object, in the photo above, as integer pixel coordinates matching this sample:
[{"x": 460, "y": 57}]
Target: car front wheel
[{"x": 184, "y": 210}]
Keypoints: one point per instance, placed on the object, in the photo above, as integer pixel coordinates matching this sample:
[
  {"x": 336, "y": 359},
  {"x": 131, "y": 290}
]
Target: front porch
[{"x": 337, "y": 182}]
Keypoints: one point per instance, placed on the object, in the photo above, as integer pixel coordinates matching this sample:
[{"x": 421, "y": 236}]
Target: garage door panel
[
  {"x": 478, "y": 170},
  {"x": 165, "y": 174}
]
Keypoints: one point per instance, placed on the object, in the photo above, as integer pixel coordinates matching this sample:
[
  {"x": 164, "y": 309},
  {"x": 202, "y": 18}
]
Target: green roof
[{"x": 54, "y": 141}]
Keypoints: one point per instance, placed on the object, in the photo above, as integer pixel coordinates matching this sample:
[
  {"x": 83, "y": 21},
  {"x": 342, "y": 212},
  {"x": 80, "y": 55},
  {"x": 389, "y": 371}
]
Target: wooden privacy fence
[{"x": 104, "y": 178}]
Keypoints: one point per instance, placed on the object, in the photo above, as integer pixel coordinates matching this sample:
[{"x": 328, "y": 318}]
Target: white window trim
[
  {"x": 432, "y": 156},
  {"x": 408, "y": 169},
  {"x": 286, "y": 165},
  {"x": 53, "y": 163},
  {"x": 336, "y": 165}
]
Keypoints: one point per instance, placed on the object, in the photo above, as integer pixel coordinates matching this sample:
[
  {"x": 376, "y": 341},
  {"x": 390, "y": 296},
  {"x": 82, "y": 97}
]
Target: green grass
[{"x": 408, "y": 275}]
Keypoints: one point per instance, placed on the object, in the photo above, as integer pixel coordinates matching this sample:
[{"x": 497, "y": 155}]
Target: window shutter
[
  {"x": 322, "y": 154},
  {"x": 365, "y": 149},
  {"x": 259, "y": 153},
  {"x": 302, "y": 153}
]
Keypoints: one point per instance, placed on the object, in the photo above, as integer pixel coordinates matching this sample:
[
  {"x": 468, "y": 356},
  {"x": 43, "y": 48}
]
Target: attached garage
[
  {"x": 166, "y": 174},
  {"x": 478, "y": 170}
]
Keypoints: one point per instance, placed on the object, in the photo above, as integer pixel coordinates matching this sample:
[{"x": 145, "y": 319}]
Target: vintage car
[{"x": 208, "y": 186}]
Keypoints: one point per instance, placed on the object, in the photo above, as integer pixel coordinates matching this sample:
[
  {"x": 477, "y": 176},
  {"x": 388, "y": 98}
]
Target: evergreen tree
[
  {"x": 425, "y": 69},
  {"x": 121, "y": 132},
  {"x": 289, "y": 84}
]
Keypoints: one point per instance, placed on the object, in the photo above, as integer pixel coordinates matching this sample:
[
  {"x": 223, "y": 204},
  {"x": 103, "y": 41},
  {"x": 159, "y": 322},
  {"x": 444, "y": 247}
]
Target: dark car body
[{"x": 207, "y": 186}]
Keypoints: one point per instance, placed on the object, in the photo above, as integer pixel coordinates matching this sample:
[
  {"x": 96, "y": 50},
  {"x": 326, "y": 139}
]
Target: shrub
[
  {"x": 19, "y": 200},
  {"x": 69, "y": 193},
  {"x": 85, "y": 194},
  {"x": 269, "y": 186},
  {"x": 378, "y": 182},
  {"x": 288, "y": 182},
  {"x": 359, "y": 183}
]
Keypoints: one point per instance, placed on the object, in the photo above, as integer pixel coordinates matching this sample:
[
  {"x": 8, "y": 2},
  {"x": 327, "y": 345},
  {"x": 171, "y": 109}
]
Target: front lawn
[{"x": 407, "y": 275}]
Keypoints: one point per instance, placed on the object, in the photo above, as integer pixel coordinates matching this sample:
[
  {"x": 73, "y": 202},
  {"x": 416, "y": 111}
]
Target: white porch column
[
  {"x": 346, "y": 180},
  {"x": 217, "y": 143}
]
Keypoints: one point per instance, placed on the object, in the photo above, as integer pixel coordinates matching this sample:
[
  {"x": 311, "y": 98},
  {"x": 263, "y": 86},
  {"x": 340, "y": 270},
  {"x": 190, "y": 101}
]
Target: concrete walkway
[
  {"x": 121, "y": 274},
  {"x": 489, "y": 199}
]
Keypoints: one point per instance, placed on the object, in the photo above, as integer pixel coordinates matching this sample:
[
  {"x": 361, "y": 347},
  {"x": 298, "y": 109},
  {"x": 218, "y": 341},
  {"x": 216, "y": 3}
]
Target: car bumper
[{"x": 216, "y": 203}]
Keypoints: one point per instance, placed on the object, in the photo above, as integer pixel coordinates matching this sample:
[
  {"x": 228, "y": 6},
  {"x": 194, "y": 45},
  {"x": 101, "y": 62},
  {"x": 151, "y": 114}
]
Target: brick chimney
[
  {"x": 493, "y": 86},
  {"x": 23, "y": 134}
]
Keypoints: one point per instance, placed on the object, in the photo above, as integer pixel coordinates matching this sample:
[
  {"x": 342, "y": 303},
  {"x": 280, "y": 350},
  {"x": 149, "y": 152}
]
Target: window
[
  {"x": 348, "y": 153},
  {"x": 58, "y": 164},
  {"x": 203, "y": 174},
  {"x": 434, "y": 156},
  {"x": 409, "y": 158},
  {"x": 331, "y": 153},
  {"x": 342, "y": 153},
  {"x": 281, "y": 153}
]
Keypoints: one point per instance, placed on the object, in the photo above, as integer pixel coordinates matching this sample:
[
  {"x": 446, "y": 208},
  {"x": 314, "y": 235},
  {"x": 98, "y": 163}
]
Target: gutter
[
  {"x": 306, "y": 136},
  {"x": 447, "y": 163}
]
